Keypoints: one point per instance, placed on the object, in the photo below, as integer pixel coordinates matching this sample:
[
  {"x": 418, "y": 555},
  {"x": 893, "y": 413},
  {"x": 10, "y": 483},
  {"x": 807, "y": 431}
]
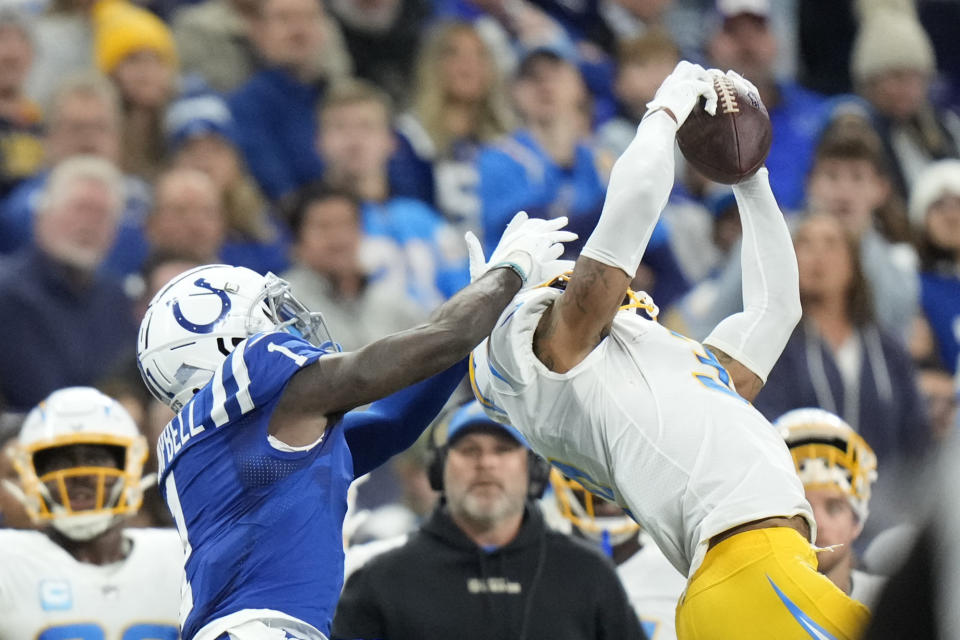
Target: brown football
[{"x": 731, "y": 145}]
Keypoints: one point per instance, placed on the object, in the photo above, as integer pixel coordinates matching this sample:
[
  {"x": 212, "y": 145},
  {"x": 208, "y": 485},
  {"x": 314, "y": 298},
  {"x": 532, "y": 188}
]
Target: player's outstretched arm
[
  {"x": 639, "y": 186},
  {"x": 340, "y": 382},
  {"x": 749, "y": 343}
]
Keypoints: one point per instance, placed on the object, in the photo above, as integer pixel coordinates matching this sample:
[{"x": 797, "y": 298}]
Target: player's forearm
[
  {"x": 639, "y": 186},
  {"x": 771, "y": 297},
  {"x": 404, "y": 358}
]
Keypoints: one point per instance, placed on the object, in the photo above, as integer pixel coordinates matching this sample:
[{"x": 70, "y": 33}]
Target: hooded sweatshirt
[{"x": 542, "y": 585}]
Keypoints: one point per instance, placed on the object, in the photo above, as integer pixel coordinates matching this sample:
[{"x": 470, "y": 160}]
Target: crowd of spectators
[{"x": 349, "y": 144}]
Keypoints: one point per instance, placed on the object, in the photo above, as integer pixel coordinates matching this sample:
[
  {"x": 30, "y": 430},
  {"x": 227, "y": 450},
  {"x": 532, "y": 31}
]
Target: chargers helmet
[
  {"x": 827, "y": 452},
  {"x": 580, "y": 507},
  {"x": 196, "y": 320},
  {"x": 559, "y": 272},
  {"x": 79, "y": 416}
]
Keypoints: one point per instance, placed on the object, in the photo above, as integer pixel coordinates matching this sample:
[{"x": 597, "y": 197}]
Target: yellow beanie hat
[{"x": 121, "y": 28}]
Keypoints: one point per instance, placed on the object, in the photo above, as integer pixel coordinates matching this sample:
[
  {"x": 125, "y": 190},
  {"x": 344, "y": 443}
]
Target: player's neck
[
  {"x": 840, "y": 575},
  {"x": 106, "y": 548},
  {"x": 487, "y": 534}
]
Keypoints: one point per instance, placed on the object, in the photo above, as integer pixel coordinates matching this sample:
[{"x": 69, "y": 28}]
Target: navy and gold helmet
[
  {"x": 597, "y": 519},
  {"x": 639, "y": 300},
  {"x": 827, "y": 453}
]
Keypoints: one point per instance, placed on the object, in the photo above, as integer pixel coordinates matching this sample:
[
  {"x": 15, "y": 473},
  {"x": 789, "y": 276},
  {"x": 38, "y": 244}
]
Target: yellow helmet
[
  {"x": 80, "y": 416},
  {"x": 827, "y": 452},
  {"x": 632, "y": 300},
  {"x": 580, "y": 507}
]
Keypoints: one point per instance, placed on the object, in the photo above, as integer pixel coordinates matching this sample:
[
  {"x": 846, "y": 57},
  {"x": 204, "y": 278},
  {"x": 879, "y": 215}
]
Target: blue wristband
[{"x": 514, "y": 266}]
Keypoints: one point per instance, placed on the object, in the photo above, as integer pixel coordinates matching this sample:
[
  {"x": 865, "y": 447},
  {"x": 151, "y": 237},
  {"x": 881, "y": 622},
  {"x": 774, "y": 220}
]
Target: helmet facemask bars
[{"x": 289, "y": 315}]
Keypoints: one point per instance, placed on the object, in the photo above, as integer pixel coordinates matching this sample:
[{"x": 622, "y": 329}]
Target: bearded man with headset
[{"x": 485, "y": 565}]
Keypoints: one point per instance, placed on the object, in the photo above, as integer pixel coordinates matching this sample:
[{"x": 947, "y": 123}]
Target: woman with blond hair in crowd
[
  {"x": 458, "y": 104},
  {"x": 201, "y": 135}
]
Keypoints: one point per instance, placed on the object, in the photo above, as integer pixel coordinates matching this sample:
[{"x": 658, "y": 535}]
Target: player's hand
[
  {"x": 526, "y": 245},
  {"x": 680, "y": 91},
  {"x": 742, "y": 84}
]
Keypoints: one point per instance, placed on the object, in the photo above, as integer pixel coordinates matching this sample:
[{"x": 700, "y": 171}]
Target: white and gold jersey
[
  {"x": 648, "y": 420},
  {"x": 654, "y": 588},
  {"x": 45, "y": 593}
]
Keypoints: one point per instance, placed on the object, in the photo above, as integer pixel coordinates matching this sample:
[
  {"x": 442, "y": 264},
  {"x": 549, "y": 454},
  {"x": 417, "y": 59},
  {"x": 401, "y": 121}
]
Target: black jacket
[{"x": 439, "y": 585}]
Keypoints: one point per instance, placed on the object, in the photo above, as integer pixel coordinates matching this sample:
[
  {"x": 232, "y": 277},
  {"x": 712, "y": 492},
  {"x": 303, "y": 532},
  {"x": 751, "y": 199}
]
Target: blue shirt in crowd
[
  {"x": 517, "y": 174},
  {"x": 797, "y": 122},
  {"x": 129, "y": 249},
  {"x": 60, "y": 328},
  {"x": 940, "y": 297},
  {"x": 411, "y": 246},
  {"x": 276, "y": 117}
]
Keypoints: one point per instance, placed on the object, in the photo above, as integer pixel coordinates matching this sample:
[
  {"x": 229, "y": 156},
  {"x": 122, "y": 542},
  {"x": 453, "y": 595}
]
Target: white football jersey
[
  {"x": 45, "y": 593},
  {"x": 648, "y": 420},
  {"x": 654, "y": 588}
]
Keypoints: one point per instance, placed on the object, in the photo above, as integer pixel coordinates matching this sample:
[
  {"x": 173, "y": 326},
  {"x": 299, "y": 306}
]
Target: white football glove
[
  {"x": 681, "y": 90},
  {"x": 742, "y": 84},
  {"x": 527, "y": 244}
]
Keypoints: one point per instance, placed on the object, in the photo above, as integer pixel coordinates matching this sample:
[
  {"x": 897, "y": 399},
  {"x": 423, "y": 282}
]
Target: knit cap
[
  {"x": 937, "y": 180},
  {"x": 196, "y": 115},
  {"x": 121, "y": 28},
  {"x": 890, "y": 40}
]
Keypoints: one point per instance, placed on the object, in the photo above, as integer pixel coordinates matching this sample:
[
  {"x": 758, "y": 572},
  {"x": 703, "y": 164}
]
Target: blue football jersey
[
  {"x": 248, "y": 510},
  {"x": 262, "y": 523}
]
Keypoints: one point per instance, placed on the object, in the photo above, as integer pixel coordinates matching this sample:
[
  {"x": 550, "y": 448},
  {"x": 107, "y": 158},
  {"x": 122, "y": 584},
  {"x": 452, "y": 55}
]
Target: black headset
[{"x": 538, "y": 469}]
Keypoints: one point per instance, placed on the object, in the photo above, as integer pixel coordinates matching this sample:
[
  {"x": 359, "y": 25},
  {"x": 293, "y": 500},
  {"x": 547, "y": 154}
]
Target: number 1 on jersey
[{"x": 279, "y": 348}]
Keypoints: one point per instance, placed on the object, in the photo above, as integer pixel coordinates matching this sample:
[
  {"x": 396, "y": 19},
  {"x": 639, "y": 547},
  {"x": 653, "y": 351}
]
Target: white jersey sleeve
[
  {"x": 505, "y": 360},
  {"x": 45, "y": 593}
]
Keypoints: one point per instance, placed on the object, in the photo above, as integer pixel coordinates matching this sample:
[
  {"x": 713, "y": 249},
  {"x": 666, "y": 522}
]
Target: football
[{"x": 731, "y": 145}]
